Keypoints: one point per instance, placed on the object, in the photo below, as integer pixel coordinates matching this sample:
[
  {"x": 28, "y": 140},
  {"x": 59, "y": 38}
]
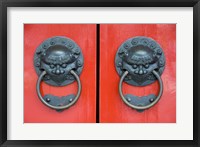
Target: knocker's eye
[
  {"x": 147, "y": 66},
  {"x": 52, "y": 66},
  {"x": 134, "y": 66},
  {"x": 64, "y": 65}
]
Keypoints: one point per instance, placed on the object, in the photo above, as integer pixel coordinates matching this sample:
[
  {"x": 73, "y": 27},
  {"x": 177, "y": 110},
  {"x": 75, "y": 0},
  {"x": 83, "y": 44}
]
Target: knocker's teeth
[
  {"x": 62, "y": 71},
  {"x": 136, "y": 71}
]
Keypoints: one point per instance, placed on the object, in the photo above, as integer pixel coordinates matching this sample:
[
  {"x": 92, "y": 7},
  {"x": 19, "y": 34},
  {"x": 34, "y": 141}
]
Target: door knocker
[
  {"x": 58, "y": 61},
  {"x": 140, "y": 61}
]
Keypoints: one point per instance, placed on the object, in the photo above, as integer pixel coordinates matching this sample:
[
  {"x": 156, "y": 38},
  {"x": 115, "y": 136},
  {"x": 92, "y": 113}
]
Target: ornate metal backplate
[
  {"x": 58, "y": 56},
  {"x": 140, "y": 56}
]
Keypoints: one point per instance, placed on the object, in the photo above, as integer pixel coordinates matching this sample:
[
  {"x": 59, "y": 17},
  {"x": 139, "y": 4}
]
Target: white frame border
[{"x": 182, "y": 130}]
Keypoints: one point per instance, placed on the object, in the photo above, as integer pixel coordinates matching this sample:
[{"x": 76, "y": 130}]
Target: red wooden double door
[{"x": 100, "y": 100}]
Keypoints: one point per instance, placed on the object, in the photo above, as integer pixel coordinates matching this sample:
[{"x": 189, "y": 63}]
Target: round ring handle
[
  {"x": 141, "y": 107},
  {"x": 58, "y": 107}
]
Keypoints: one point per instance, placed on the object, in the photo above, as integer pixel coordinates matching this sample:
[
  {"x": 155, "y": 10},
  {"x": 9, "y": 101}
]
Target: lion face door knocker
[
  {"x": 58, "y": 61},
  {"x": 140, "y": 61}
]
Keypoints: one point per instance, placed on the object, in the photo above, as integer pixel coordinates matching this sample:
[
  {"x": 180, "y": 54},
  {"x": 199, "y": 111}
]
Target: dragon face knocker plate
[
  {"x": 140, "y": 56},
  {"x": 58, "y": 56}
]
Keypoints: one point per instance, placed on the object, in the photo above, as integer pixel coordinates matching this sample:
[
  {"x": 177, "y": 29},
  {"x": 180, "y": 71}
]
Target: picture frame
[{"x": 100, "y": 3}]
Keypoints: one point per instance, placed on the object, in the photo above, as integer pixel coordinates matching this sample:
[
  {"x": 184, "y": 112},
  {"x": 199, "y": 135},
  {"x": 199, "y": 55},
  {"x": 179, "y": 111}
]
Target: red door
[
  {"x": 112, "y": 108},
  {"x": 84, "y": 109}
]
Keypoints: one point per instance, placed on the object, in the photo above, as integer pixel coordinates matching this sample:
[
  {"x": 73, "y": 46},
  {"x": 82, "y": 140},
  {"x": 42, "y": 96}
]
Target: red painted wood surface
[
  {"x": 85, "y": 108},
  {"x": 112, "y": 108}
]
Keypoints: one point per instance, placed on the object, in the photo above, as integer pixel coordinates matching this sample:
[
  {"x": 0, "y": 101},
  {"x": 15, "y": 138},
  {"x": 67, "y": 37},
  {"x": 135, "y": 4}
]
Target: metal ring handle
[
  {"x": 58, "y": 107},
  {"x": 141, "y": 107}
]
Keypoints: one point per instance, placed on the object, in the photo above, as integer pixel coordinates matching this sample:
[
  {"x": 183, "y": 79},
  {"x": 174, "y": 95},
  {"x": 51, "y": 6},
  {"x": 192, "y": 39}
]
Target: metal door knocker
[
  {"x": 140, "y": 61},
  {"x": 59, "y": 62}
]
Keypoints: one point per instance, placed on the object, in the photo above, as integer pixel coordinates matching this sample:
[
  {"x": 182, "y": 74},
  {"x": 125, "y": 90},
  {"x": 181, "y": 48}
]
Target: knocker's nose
[
  {"x": 58, "y": 71},
  {"x": 141, "y": 72}
]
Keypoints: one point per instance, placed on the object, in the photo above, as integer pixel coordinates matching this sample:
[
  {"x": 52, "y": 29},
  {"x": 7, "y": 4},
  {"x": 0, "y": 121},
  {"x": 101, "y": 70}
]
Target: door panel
[
  {"x": 112, "y": 108},
  {"x": 84, "y": 110}
]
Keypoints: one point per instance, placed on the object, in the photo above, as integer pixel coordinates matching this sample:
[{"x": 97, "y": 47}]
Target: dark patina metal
[
  {"x": 140, "y": 56},
  {"x": 58, "y": 56},
  {"x": 58, "y": 61},
  {"x": 140, "y": 101},
  {"x": 140, "y": 61}
]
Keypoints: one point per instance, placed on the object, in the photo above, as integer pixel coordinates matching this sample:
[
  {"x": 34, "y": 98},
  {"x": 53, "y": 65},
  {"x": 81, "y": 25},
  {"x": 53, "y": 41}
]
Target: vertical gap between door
[{"x": 97, "y": 70}]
